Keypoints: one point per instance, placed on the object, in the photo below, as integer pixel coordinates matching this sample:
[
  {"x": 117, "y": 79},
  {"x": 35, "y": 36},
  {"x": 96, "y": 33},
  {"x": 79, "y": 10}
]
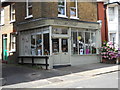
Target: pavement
[{"x": 17, "y": 76}]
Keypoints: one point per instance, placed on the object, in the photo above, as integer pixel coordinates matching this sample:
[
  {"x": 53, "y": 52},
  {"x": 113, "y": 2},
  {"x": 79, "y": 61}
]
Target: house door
[
  {"x": 61, "y": 53},
  {"x": 5, "y": 54}
]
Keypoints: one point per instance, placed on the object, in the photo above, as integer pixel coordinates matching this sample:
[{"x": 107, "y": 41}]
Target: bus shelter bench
[{"x": 33, "y": 63}]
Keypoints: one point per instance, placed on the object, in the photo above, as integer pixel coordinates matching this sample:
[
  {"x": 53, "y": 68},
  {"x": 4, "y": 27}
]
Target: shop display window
[
  {"x": 40, "y": 44},
  {"x": 83, "y": 42}
]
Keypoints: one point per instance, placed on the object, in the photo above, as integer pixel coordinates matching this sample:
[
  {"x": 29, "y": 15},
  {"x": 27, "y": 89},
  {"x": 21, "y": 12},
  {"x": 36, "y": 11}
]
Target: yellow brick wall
[{"x": 7, "y": 28}]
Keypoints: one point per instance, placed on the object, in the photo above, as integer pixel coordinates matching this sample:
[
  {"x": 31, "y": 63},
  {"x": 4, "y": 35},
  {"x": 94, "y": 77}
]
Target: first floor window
[
  {"x": 83, "y": 42},
  {"x": 73, "y": 8},
  {"x": 28, "y": 8},
  {"x": 62, "y": 7}
]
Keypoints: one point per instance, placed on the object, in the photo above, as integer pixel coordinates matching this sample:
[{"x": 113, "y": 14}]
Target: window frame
[
  {"x": 27, "y": 10},
  {"x": 111, "y": 15},
  {"x": 12, "y": 35},
  {"x": 76, "y": 12},
  {"x": 11, "y": 13},
  {"x": 65, "y": 6},
  {"x": 84, "y": 47},
  {"x": 2, "y": 17},
  {"x": 42, "y": 33}
]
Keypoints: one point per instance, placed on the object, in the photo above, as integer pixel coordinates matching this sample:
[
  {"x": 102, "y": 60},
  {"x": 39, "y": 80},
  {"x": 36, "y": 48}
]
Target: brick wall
[{"x": 87, "y": 11}]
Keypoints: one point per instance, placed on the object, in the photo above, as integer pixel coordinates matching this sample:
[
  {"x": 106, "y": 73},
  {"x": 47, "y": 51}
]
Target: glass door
[
  {"x": 5, "y": 54},
  {"x": 60, "y": 51}
]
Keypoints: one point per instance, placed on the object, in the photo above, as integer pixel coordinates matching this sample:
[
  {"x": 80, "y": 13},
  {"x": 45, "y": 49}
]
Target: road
[{"x": 109, "y": 80}]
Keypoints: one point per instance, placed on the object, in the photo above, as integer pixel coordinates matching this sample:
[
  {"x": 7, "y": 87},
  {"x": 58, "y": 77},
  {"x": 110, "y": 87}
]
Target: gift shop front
[{"x": 65, "y": 42}]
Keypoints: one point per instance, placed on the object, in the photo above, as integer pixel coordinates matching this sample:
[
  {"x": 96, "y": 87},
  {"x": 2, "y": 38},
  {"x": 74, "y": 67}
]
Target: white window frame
[
  {"x": 13, "y": 39},
  {"x": 11, "y": 13},
  {"x": 90, "y": 31},
  {"x": 2, "y": 15},
  {"x": 76, "y": 7},
  {"x": 27, "y": 10},
  {"x": 60, "y": 15},
  {"x": 111, "y": 15}
]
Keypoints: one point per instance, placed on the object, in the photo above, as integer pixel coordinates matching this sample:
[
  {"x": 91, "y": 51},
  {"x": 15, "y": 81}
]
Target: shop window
[
  {"x": 28, "y": 9},
  {"x": 93, "y": 44},
  {"x": 64, "y": 44},
  {"x": 46, "y": 44},
  {"x": 12, "y": 12},
  {"x": 73, "y": 9},
  {"x": 81, "y": 46},
  {"x": 83, "y": 42},
  {"x": 13, "y": 42},
  {"x": 87, "y": 42},
  {"x": 61, "y": 7},
  {"x": 60, "y": 31},
  {"x": 40, "y": 44},
  {"x": 74, "y": 43},
  {"x": 2, "y": 17},
  {"x": 55, "y": 45}
]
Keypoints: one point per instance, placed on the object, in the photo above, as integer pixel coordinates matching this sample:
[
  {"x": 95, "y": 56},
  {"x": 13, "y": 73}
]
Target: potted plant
[{"x": 108, "y": 52}]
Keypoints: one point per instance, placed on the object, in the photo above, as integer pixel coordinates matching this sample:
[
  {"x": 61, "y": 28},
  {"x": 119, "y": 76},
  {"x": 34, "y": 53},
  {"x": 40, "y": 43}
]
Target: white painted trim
[
  {"x": 76, "y": 7},
  {"x": 65, "y": 6},
  {"x": 12, "y": 21},
  {"x": 50, "y": 38},
  {"x": 30, "y": 16},
  {"x": 74, "y": 18},
  {"x": 11, "y": 13},
  {"x": 27, "y": 11}
]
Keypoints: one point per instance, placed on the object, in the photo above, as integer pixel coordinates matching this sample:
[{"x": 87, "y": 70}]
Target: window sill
[
  {"x": 74, "y": 18},
  {"x": 2, "y": 24},
  {"x": 29, "y": 17},
  {"x": 12, "y": 21},
  {"x": 12, "y": 51},
  {"x": 62, "y": 16}
]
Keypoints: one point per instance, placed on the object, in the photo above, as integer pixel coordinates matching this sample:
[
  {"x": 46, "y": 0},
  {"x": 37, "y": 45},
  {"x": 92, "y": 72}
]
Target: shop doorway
[
  {"x": 5, "y": 54},
  {"x": 60, "y": 51}
]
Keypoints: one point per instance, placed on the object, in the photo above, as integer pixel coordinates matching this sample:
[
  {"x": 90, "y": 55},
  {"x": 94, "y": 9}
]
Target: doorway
[
  {"x": 60, "y": 51},
  {"x": 5, "y": 54}
]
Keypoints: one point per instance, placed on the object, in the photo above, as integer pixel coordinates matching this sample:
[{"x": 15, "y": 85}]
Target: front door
[
  {"x": 60, "y": 49},
  {"x": 5, "y": 54}
]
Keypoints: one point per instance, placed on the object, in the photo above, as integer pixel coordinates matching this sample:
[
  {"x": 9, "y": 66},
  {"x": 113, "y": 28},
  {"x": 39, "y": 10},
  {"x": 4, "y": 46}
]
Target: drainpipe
[{"x": 106, "y": 23}]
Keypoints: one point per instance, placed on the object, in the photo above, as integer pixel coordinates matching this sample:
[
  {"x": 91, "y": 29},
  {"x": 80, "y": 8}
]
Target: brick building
[
  {"x": 67, "y": 32},
  {"x": 7, "y": 32}
]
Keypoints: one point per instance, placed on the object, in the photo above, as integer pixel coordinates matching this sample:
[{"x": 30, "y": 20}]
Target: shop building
[{"x": 67, "y": 32}]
